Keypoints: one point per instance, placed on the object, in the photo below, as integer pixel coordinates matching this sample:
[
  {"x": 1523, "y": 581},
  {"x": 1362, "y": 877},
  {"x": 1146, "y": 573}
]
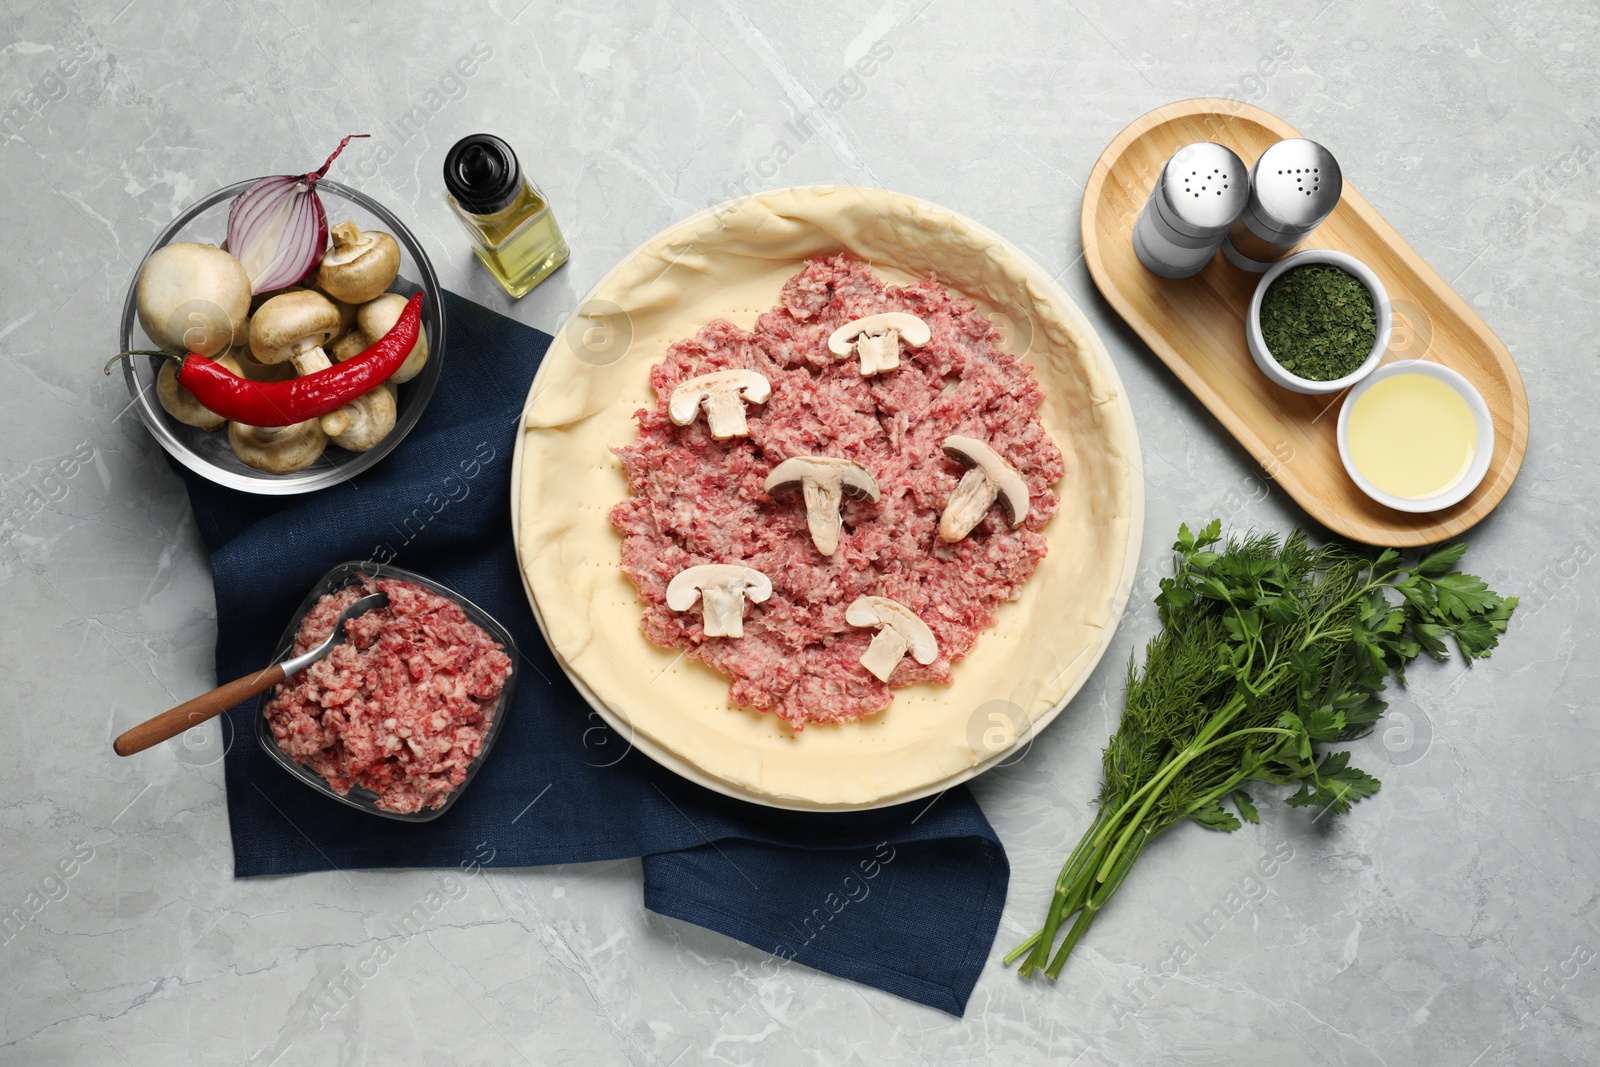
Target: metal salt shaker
[
  {"x": 1293, "y": 186},
  {"x": 1200, "y": 194}
]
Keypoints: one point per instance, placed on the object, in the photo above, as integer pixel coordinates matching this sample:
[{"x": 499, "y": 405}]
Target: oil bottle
[{"x": 513, "y": 231}]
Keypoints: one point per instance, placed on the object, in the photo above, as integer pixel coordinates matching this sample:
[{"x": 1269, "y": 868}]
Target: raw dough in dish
[
  {"x": 699, "y": 501},
  {"x": 731, "y": 262}
]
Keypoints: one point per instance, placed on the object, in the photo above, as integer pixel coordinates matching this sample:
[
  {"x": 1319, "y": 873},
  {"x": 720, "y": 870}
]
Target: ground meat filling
[
  {"x": 695, "y": 500},
  {"x": 401, "y": 706}
]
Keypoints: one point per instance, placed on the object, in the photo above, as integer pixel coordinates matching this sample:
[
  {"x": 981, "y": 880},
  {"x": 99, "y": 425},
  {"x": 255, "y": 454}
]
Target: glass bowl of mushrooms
[{"x": 354, "y": 296}]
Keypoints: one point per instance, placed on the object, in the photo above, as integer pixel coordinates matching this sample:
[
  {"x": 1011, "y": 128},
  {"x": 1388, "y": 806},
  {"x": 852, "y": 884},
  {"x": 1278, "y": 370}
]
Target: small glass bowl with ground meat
[{"x": 398, "y": 718}]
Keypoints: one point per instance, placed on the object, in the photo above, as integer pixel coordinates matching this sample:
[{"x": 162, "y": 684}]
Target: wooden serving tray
[{"x": 1196, "y": 326}]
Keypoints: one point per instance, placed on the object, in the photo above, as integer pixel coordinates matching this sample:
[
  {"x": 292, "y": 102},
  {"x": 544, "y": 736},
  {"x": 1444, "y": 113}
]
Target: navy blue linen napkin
[{"x": 906, "y": 898}]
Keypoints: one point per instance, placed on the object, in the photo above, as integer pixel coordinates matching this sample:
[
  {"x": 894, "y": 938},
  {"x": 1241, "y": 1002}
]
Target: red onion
[{"x": 278, "y": 228}]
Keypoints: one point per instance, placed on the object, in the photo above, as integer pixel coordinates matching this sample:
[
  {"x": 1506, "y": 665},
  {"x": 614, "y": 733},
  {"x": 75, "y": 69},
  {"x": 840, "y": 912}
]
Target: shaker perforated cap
[
  {"x": 482, "y": 173},
  {"x": 1296, "y": 184},
  {"x": 1203, "y": 188}
]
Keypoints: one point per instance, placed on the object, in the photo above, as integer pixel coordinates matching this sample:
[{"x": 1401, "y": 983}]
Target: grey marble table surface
[{"x": 1452, "y": 919}]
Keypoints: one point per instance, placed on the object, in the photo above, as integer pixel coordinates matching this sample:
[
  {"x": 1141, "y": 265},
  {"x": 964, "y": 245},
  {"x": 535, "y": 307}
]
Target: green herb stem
[
  {"x": 1063, "y": 896},
  {"x": 1094, "y": 904},
  {"x": 1166, "y": 776}
]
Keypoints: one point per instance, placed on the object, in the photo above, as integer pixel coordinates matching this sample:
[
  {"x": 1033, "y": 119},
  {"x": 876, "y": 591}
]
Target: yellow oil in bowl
[{"x": 1412, "y": 436}]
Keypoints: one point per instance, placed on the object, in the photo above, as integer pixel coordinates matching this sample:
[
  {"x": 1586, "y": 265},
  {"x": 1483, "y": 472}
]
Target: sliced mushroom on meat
[
  {"x": 876, "y": 340},
  {"x": 722, "y": 394},
  {"x": 990, "y": 479},
  {"x": 899, "y": 631},
  {"x": 823, "y": 481},
  {"x": 722, "y": 589}
]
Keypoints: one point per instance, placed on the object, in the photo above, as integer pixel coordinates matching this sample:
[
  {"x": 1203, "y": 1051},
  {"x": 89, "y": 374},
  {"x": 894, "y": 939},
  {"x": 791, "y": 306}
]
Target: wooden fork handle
[{"x": 170, "y": 724}]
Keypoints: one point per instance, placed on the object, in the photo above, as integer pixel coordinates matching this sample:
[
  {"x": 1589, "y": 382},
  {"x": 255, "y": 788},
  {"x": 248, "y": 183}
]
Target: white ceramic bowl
[
  {"x": 1380, "y": 304},
  {"x": 1480, "y": 458}
]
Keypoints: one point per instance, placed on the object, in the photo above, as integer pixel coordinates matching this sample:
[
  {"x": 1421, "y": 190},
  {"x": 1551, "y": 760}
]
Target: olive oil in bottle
[{"x": 514, "y": 233}]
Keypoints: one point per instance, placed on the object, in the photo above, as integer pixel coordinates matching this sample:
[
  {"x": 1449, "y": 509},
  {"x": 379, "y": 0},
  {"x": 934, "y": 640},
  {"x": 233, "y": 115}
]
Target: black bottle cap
[{"x": 482, "y": 173}]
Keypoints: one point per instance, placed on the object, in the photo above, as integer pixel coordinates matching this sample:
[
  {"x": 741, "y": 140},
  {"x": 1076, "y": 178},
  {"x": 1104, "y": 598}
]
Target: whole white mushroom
[
  {"x": 364, "y": 421},
  {"x": 278, "y": 449},
  {"x": 250, "y": 367},
  {"x": 377, "y": 317},
  {"x": 193, "y": 298},
  {"x": 360, "y": 265},
  {"x": 292, "y": 328},
  {"x": 181, "y": 404}
]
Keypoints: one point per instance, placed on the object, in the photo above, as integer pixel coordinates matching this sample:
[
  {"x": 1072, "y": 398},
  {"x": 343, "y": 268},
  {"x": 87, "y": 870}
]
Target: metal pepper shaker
[
  {"x": 1198, "y": 197},
  {"x": 1293, "y": 186}
]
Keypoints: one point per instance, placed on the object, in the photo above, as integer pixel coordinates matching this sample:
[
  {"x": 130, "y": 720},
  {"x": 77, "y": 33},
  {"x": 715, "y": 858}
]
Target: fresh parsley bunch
[{"x": 1269, "y": 649}]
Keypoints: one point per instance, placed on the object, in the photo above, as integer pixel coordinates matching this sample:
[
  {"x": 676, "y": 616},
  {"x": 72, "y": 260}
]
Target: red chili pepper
[{"x": 298, "y": 399}]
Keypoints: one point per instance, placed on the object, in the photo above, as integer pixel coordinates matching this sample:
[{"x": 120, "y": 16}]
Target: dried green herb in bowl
[{"x": 1318, "y": 322}]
